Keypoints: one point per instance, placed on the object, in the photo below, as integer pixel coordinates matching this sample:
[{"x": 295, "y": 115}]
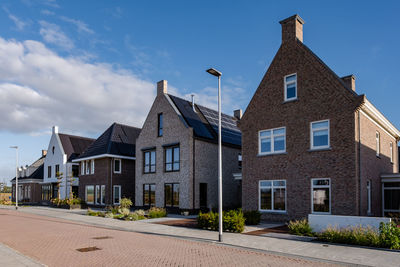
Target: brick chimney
[
  {"x": 237, "y": 114},
  {"x": 350, "y": 81},
  {"x": 292, "y": 28},
  {"x": 162, "y": 87}
]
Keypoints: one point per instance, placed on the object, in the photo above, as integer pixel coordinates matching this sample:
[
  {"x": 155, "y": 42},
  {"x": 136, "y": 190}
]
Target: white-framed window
[
  {"x": 92, "y": 166},
  {"x": 82, "y": 167},
  {"x": 87, "y": 168},
  {"x": 103, "y": 195},
  {"x": 117, "y": 194},
  {"x": 117, "y": 166},
  {"x": 89, "y": 194},
  {"x": 98, "y": 195},
  {"x": 319, "y": 134},
  {"x": 272, "y": 195},
  {"x": 369, "y": 197},
  {"x": 290, "y": 87},
  {"x": 321, "y": 195},
  {"x": 378, "y": 143},
  {"x": 391, "y": 152},
  {"x": 272, "y": 141}
]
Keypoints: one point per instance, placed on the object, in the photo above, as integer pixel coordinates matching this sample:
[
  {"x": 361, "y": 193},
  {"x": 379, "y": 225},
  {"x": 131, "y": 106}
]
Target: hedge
[{"x": 232, "y": 221}]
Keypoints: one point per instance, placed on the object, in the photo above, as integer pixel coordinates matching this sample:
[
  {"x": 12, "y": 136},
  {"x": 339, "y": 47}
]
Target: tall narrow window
[
  {"x": 320, "y": 134},
  {"x": 149, "y": 164},
  {"x": 98, "y": 195},
  {"x": 117, "y": 194},
  {"x": 57, "y": 170},
  {"x": 87, "y": 168},
  {"x": 149, "y": 194},
  {"x": 321, "y": 197},
  {"x": 89, "y": 194},
  {"x": 75, "y": 170},
  {"x": 160, "y": 124},
  {"x": 369, "y": 197},
  {"x": 117, "y": 166},
  {"x": 103, "y": 194},
  {"x": 82, "y": 168},
  {"x": 272, "y": 141},
  {"x": 49, "y": 172},
  {"x": 171, "y": 194},
  {"x": 272, "y": 195},
  {"x": 172, "y": 159},
  {"x": 92, "y": 166},
  {"x": 240, "y": 161},
  {"x": 290, "y": 87},
  {"x": 378, "y": 143},
  {"x": 391, "y": 152}
]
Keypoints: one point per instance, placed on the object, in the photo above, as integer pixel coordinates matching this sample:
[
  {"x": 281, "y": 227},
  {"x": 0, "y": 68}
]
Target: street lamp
[
  {"x": 218, "y": 74},
  {"x": 16, "y": 176}
]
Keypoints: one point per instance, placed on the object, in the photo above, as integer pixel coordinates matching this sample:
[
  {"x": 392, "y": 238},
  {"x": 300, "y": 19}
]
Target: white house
[{"x": 63, "y": 148}]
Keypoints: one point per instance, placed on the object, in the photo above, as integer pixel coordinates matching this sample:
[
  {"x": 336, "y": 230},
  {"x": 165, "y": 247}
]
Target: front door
[{"x": 203, "y": 195}]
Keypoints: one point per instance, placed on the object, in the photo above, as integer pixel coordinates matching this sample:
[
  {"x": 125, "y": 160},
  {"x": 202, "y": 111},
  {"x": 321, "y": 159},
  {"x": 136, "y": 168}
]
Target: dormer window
[{"x": 290, "y": 87}]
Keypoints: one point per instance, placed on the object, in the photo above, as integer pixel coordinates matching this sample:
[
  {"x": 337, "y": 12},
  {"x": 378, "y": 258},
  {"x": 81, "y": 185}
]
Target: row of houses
[{"x": 307, "y": 143}]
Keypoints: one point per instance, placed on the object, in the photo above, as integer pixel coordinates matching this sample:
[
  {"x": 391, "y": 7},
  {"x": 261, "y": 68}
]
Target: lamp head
[{"x": 214, "y": 72}]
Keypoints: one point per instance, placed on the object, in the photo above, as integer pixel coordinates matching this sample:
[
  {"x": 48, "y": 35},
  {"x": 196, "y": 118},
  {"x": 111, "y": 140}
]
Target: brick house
[
  {"x": 107, "y": 167},
  {"x": 310, "y": 143},
  {"x": 29, "y": 179},
  {"x": 177, "y": 154}
]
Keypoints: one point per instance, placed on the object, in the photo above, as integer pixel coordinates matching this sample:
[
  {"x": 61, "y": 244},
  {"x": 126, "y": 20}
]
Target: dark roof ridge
[
  {"x": 126, "y": 125},
  {"x": 77, "y": 136}
]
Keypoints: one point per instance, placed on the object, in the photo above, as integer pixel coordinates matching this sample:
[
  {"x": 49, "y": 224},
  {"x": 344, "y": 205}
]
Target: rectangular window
[
  {"x": 272, "y": 141},
  {"x": 117, "y": 194},
  {"x": 57, "y": 170},
  {"x": 117, "y": 166},
  {"x": 89, "y": 194},
  {"x": 75, "y": 170},
  {"x": 290, "y": 87},
  {"x": 160, "y": 124},
  {"x": 149, "y": 194},
  {"x": 82, "y": 168},
  {"x": 369, "y": 197},
  {"x": 272, "y": 195},
  {"x": 92, "y": 166},
  {"x": 98, "y": 195},
  {"x": 391, "y": 198},
  {"x": 149, "y": 165},
  {"x": 240, "y": 161},
  {"x": 321, "y": 197},
  {"x": 172, "y": 161},
  {"x": 87, "y": 168},
  {"x": 171, "y": 194},
  {"x": 378, "y": 143},
  {"x": 103, "y": 194},
  {"x": 49, "y": 172},
  {"x": 391, "y": 152},
  {"x": 320, "y": 134}
]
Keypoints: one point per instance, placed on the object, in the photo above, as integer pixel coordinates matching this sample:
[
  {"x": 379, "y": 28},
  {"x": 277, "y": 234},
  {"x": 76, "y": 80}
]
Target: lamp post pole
[
  {"x": 220, "y": 215},
  {"x": 16, "y": 175}
]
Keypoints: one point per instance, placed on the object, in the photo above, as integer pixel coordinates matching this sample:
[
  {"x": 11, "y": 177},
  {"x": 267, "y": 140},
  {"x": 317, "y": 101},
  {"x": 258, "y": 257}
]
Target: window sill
[
  {"x": 271, "y": 154},
  {"x": 290, "y": 100},
  {"x": 171, "y": 171},
  {"x": 148, "y": 172},
  {"x": 117, "y": 172},
  {"x": 320, "y": 149},
  {"x": 273, "y": 212}
]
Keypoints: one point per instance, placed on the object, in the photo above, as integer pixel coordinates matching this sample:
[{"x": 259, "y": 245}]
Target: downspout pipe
[{"x": 359, "y": 162}]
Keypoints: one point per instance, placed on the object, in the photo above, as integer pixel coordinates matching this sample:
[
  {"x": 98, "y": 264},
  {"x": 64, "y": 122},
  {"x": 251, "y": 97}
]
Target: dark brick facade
[
  {"x": 31, "y": 192},
  {"x": 321, "y": 95},
  {"x": 103, "y": 175}
]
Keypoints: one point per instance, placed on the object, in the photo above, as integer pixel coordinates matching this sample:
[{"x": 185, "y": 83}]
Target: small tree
[
  {"x": 70, "y": 181},
  {"x": 59, "y": 176}
]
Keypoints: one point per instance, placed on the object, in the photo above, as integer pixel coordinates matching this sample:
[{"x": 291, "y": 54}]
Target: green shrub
[
  {"x": 126, "y": 203},
  {"x": 140, "y": 213},
  {"x": 113, "y": 210},
  {"x": 232, "y": 221},
  {"x": 155, "y": 212},
  {"x": 109, "y": 215},
  {"x": 300, "y": 227},
  {"x": 75, "y": 201},
  {"x": 124, "y": 211},
  {"x": 389, "y": 234},
  {"x": 353, "y": 235},
  {"x": 119, "y": 216},
  {"x": 252, "y": 217},
  {"x": 135, "y": 216},
  {"x": 95, "y": 213}
]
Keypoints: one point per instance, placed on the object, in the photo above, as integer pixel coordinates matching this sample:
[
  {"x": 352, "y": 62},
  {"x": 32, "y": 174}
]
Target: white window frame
[
  {"x": 378, "y": 143},
  {"x": 391, "y": 152},
  {"x": 101, "y": 194},
  {"x": 312, "y": 147},
  {"x": 120, "y": 166},
  {"x": 117, "y": 186},
  {"x": 272, "y": 195},
  {"x": 286, "y": 84},
  {"x": 86, "y": 194},
  {"x": 369, "y": 197},
  {"x": 272, "y": 141},
  {"x": 92, "y": 166},
  {"x": 97, "y": 194},
  {"x": 87, "y": 168},
  {"x": 82, "y": 168},
  {"x": 312, "y": 195}
]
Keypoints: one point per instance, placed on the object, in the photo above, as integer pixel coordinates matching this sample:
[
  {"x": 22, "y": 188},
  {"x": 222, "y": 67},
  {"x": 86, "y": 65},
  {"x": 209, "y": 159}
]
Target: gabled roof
[
  {"x": 117, "y": 140},
  {"x": 74, "y": 145},
  {"x": 205, "y": 122},
  {"x": 38, "y": 173}
]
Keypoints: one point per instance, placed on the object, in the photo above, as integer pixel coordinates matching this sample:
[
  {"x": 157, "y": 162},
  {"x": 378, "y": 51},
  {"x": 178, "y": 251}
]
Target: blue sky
[{"x": 82, "y": 65}]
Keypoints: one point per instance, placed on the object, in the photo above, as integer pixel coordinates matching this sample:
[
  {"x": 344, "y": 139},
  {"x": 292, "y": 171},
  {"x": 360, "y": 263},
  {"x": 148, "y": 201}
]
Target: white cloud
[
  {"x": 38, "y": 89},
  {"x": 19, "y": 23},
  {"x": 81, "y": 26},
  {"x": 52, "y": 34}
]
